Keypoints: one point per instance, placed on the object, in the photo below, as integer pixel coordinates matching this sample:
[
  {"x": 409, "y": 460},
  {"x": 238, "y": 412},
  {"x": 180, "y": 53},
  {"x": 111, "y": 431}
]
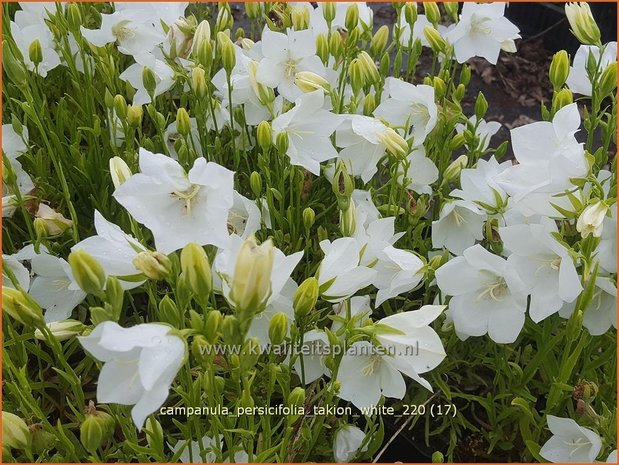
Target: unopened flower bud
[
  {"x": 457, "y": 141},
  {"x": 119, "y": 171},
  {"x": 281, "y": 142},
  {"x": 120, "y": 106},
  {"x": 440, "y": 88},
  {"x": 379, "y": 41},
  {"x": 582, "y": 24},
  {"x": 308, "y": 81},
  {"x": 21, "y": 307},
  {"x": 224, "y": 18},
  {"x": 608, "y": 79},
  {"x": 252, "y": 10},
  {"x": 196, "y": 268},
  {"x": 328, "y": 11},
  {"x": 251, "y": 283},
  {"x": 356, "y": 75},
  {"x": 452, "y": 172},
  {"x": 74, "y": 16},
  {"x": 96, "y": 430},
  {"x": 278, "y": 328},
  {"x": 369, "y": 104},
  {"x": 62, "y": 330},
  {"x": 410, "y": 13},
  {"x": 561, "y": 99},
  {"x": 305, "y": 297},
  {"x": 300, "y": 18},
  {"x": 40, "y": 439},
  {"x": 183, "y": 123},
  {"x": 154, "y": 433},
  {"x": 343, "y": 184},
  {"x": 369, "y": 68},
  {"x": 255, "y": 183},
  {"x": 591, "y": 220},
  {"x": 309, "y": 216},
  {"x": 436, "y": 41},
  {"x": 352, "y": 17},
  {"x": 15, "y": 432},
  {"x": 452, "y": 9},
  {"x": 153, "y": 264},
  {"x": 394, "y": 142},
  {"x": 437, "y": 456},
  {"x": 336, "y": 46},
  {"x": 348, "y": 220},
  {"x": 432, "y": 12},
  {"x": 214, "y": 321},
  {"x": 322, "y": 47},
  {"x": 135, "y": 113},
  {"x": 14, "y": 68},
  {"x": 231, "y": 329},
  {"x": 481, "y": 106},
  {"x": 198, "y": 81},
  {"x": 149, "y": 81},
  {"x": 227, "y": 51},
  {"x": 35, "y": 52},
  {"x": 264, "y": 134},
  {"x": 559, "y": 69},
  {"x": 54, "y": 223},
  {"x": 87, "y": 271},
  {"x": 296, "y": 397},
  {"x": 465, "y": 75}
]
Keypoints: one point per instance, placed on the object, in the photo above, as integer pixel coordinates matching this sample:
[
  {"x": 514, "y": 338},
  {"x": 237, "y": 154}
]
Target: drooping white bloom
[
  {"x": 601, "y": 313},
  {"x": 479, "y": 186},
  {"x": 591, "y": 220},
  {"x": 360, "y": 139},
  {"x": 578, "y": 81},
  {"x": 347, "y": 442},
  {"x": 483, "y": 31},
  {"x": 607, "y": 249},
  {"x": 314, "y": 352},
  {"x": 459, "y": 225},
  {"x": 340, "y": 275},
  {"x": 570, "y": 443},
  {"x": 24, "y": 37},
  {"x": 140, "y": 364},
  {"x": 366, "y": 372},
  {"x": 129, "y": 29},
  {"x": 544, "y": 265},
  {"x": 179, "y": 207},
  {"x": 284, "y": 56},
  {"x": 409, "y": 107},
  {"x": 164, "y": 77},
  {"x": 244, "y": 216},
  {"x": 114, "y": 250},
  {"x": 398, "y": 272},
  {"x": 484, "y": 131},
  {"x": 487, "y": 295},
  {"x": 421, "y": 171},
  {"x": 308, "y": 127},
  {"x": 548, "y": 157},
  {"x": 54, "y": 288}
]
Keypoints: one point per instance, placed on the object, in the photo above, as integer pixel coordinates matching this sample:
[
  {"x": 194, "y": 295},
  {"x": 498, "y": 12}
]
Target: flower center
[
  {"x": 373, "y": 365},
  {"x": 122, "y": 31},
  {"x": 291, "y": 69},
  {"x": 496, "y": 290},
  {"x": 576, "y": 445},
  {"x": 480, "y": 25},
  {"x": 187, "y": 196}
]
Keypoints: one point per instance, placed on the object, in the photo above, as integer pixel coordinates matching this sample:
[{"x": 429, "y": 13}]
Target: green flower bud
[
  {"x": 281, "y": 142},
  {"x": 352, "y": 17},
  {"x": 356, "y": 75},
  {"x": 432, "y": 12},
  {"x": 336, "y": 45},
  {"x": 278, "y": 327},
  {"x": 369, "y": 104},
  {"x": 41, "y": 440},
  {"x": 198, "y": 81},
  {"x": 120, "y": 107},
  {"x": 40, "y": 228},
  {"x": 12, "y": 65},
  {"x": 608, "y": 79},
  {"x": 214, "y": 322},
  {"x": 309, "y": 217},
  {"x": 305, "y": 297},
  {"x": 264, "y": 134},
  {"x": 224, "y": 18},
  {"x": 168, "y": 311},
  {"x": 379, "y": 41},
  {"x": 96, "y": 429},
  {"x": 384, "y": 65},
  {"x": 308, "y": 81},
  {"x": 183, "y": 123},
  {"x": 21, "y": 307},
  {"x": 149, "y": 81},
  {"x": 154, "y": 434},
  {"x": 394, "y": 143},
  {"x": 438, "y": 457},
  {"x": 369, "y": 68},
  {"x": 300, "y": 18},
  {"x": 196, "y": 268},
  {"x": 87, "y": 271},
  {"x": 459, "y": 92},
  {"x": 231, "y": 329},
  {"x": 456, "y": 142},
  {"x": 15, "y": 432},
  {"x": 561, "y": 98},
  {"x": 134, "y": 115},
  {"x": 252, "y": 10},
  {"x": 35, "y": 52},
  {"x": 410, "y": 13},
  {"x": 452, "y": 9},
  {"x": 437, "y": 42},
  {"x": 328, "y": 11},
  {"x": 108, "y": 99},
  {"x": 481, "y": 106},
  {"x": 226, "y": 49},
  {"x": 348, "y": 220},
  {"x": 452, "y": 173},
  {"x": 153, "y": 264},
  {"x": 343, "y": 184},
  {"x": 255, "y": 183},
  {"x": 582, "y": 24},
  {"x": 62, "y": 330},
  {"x": 322, "y": 47},
  {"x": 74, "y": 16},
  {"x": 440, "y": 88},
  {"x": 296, "y": 398},
  {"x": 465, "y": 75},
  {"x": 559, "y": 69}
]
